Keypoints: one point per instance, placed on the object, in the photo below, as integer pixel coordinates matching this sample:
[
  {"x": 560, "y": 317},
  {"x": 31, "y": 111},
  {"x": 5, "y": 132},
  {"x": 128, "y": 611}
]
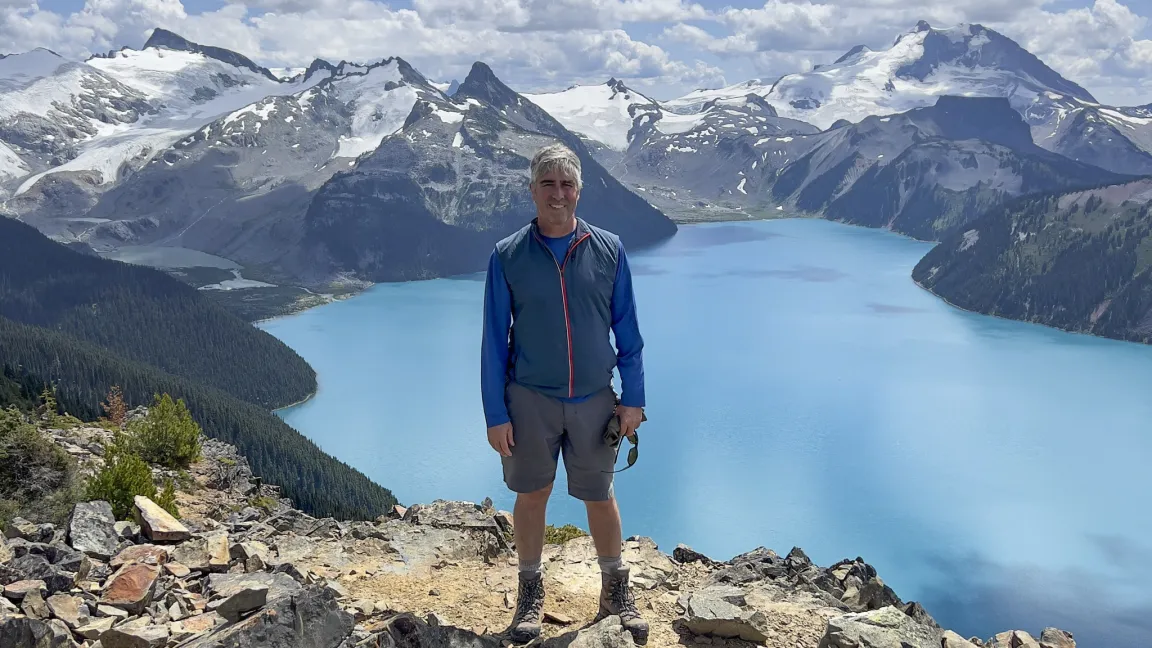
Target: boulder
[
  {"x": 719, "y": 611},
  {"x": 147, "y": 554},
  {"x": 684, "y": 554},
  {"x": 34, "y": 606},
  {"x": 226, "y": 585},
  {"x": 25, "y": 632},
  {"x": 176, "y": 569},
  {"x": 207, "y": 552},
  {"x": 756, "y": 565},
  {"x": 919, "y": 614},
  {"x": 887, "y": 627},
  {"x": 157, "y": 524},
  {"x": 16, "y": 591},
  {"x": 92, "y": 529},
  {"x": 194, "y": 626},
  {"x": 69, "y": 609},
  {"x": 139, "y": 633},
  {"x": 954, "y": 640},
  {"x": 56, "y": 578},
  {"x": 309, "y": 618},
  {"x": 131, "y": 587},
  {"x": 1014, "y": 639},
  {"x": 18, "y": 527},
  {"x": 127, "y": 530},
  {"x": 1056, "y": 638},
  {"x": 244, "y": 600},
  {"x": 5, "y": 551},
  {"x": 95, "y": 628}
]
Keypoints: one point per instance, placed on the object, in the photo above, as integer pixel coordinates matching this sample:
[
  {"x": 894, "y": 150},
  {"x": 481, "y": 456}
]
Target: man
[{"x": 554, "y": 290}]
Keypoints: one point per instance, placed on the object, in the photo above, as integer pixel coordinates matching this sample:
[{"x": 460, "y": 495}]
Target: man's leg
[
  {"x": 530, "y": 515},
  {"x": 588, "y": 461},
  {"x": 537, "y": 427}
]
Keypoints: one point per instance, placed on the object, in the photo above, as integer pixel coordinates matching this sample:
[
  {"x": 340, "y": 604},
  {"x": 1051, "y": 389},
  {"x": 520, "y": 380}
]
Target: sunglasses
[{"x": 613, "y": 437}]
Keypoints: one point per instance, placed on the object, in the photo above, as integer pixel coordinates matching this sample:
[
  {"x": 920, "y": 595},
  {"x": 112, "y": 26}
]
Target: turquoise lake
[{"x": 802, "y": 391}]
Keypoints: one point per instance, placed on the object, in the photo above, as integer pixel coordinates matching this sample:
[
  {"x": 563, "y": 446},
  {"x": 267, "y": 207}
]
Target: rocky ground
[{"x": 241, "y": 567}]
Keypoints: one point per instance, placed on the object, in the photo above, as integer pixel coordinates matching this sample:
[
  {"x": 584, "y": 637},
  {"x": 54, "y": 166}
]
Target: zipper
[{"x": 564, "y": 295}]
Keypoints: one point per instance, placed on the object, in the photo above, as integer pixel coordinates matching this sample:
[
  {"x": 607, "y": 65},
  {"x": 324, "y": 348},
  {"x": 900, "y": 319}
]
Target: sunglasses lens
[{"x": 632, "y": 454}]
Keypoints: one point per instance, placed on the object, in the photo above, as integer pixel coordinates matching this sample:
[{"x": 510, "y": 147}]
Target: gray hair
[{"x": 557, "y": 157}]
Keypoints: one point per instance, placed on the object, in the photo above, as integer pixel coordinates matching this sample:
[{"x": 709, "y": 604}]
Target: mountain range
[{"x": 373, "y": 172}]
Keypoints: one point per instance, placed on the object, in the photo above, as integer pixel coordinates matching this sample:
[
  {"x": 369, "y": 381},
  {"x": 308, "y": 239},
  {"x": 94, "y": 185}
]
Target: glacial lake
[{"x": 802, "y": 391}]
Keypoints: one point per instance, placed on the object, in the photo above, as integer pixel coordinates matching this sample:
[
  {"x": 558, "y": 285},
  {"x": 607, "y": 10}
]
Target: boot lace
[
  {"x": 531, "y": 600},
  {"x": 622, "y": 600}
]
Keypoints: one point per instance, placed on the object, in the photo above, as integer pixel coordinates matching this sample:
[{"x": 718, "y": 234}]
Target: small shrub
[
  {"x": 560, "y": 535},
  {"x": 38, "y": 479},
  {"x": 166, "y": 499},
  {"x": 167, "y": 436},
  {"x": 115, "y": 409},
  {"x": 124, "y": 476},
  {"x": 265, "y": 502}
]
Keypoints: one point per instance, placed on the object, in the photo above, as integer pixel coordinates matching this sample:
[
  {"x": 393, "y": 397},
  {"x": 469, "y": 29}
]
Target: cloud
[
  {"x": 442, "y": 38},
  {"x": 555, "y": 15}
]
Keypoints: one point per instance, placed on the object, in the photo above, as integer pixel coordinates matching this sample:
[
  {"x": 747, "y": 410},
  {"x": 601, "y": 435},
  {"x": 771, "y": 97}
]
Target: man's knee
[{"x": 535, "y": 498}]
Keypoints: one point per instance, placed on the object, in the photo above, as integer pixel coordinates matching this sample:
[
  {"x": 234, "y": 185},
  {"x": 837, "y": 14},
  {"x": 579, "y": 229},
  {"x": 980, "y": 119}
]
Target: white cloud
[{"x": 555, "y": 15}]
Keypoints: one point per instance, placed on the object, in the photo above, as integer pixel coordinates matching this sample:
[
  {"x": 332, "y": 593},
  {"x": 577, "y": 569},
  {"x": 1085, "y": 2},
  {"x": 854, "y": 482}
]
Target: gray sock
[
  {"x": 530, "y": 568},
  {"x": 609, "y": 565}
]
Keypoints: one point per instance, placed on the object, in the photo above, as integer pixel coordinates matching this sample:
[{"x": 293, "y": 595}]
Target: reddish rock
[{"x": 131, "y": 587}]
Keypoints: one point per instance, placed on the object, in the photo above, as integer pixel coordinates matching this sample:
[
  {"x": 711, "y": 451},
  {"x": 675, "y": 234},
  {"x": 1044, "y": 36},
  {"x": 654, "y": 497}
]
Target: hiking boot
[
  {"x": 616, "y": 599},
  {"x": 529, "y": 606}
]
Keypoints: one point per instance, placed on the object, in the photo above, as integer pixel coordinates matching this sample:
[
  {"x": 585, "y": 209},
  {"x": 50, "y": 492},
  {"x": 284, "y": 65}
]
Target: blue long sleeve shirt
[{"x": 498, "y": 322}]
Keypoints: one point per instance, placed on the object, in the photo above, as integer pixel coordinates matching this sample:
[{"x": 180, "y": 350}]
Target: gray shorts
[{"x": 543, "y": 427}]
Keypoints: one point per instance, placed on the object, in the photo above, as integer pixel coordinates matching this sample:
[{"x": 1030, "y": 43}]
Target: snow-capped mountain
[
  {"x": 927, "y": 171},
  {"x": 452, "y": 182},
  {"x": 89, "y": 124},
  {"x": 1115, "y": 138},
  {"x": 296, "y": 180},
  {"x": 602, "y": 113},
  {"x": 921, "y": 65}
]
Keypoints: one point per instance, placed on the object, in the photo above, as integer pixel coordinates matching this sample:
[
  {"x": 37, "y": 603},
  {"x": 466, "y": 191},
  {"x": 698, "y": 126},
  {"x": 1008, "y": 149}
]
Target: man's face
[{"x": 555, "y": 195}]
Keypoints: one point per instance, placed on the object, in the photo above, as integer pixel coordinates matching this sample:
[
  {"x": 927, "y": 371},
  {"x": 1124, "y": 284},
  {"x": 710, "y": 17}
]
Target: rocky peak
[
  {"x": 162, "y": 38},
  {"x": 975, "y": 46},
  {"x": 483, "y": 85},
  {"x": 853, "y": 52}
]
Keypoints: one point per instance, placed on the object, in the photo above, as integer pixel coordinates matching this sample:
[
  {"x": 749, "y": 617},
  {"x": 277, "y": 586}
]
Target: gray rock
[
  {"x": 310, "y": 618},
  {"x": 135, "y": 634},
  {"x": 757, "y": 565},
  {"x": 92, "y": 529},
  {"x": 18, "y": 527},
  {"x": 8, "y": 607},
  {"x": 24, "y": 632},
  {"x": 410, "y": 631},
  {"x": 34, "y": 606},
  {"x": 226, "y": 585},
  {"x": 37, "y": 567},
  {"x": 685, "y": 554},
  {"x": 5, "y": 551},
  {"x": 919, "y": 614},
  {"x": 96, "y": 628},
  {"x": 887, "y": 627},
  {"x": 953, "y": 640},
  {"x": 127, "y": 530},
  {"x": 1056, "y": 638},
  {"x": 69, "y": 609},
  {"x": 719, "y": 611},
  {"x": 207, "y": 552},
  {"x": 245, "y": 600},
  {"x": 608, "y": 633}
]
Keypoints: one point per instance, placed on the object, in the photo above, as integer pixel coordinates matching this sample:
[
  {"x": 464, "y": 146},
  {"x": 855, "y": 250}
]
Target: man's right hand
[{"x": 500, "y": 438}]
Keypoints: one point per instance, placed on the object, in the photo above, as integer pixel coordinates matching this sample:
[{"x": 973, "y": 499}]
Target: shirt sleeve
[
  {"x": 626, "y": 329},
  {"x": 494, "y": 347}
]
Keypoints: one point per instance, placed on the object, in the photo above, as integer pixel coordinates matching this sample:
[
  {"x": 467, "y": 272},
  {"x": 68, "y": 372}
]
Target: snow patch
[
  {"x": 449, "y": 117},
  {"x": 970, "y": 238},
  {"x": 740, "y": 187},
  {"x": 597, "y": 112},
  {"x": 457, "y": 140},
  {"x": 377, "y": 112},
  {"x": 11, "y": 166}
]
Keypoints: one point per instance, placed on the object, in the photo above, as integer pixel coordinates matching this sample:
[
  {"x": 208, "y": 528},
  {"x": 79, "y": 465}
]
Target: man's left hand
[{"x": 630, "y": 418}]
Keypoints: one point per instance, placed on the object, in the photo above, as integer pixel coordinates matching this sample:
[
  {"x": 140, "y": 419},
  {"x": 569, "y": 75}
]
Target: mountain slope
[
  {"x": 435, "y": 196},
  {"x": 1117, "y": 139},
  {"x": 1079, "y": 261},
  {"x": 84, "y": 324},
  {"x": 929, "y": 170},
  {"x": 146, "y": 316},
  {"x": 83, "y": 127},
  {"x": 602, "y": 113}
]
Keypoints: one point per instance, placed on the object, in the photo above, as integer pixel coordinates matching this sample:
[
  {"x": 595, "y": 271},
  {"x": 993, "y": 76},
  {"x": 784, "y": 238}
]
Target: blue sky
[{"x": 661, "y": 47}]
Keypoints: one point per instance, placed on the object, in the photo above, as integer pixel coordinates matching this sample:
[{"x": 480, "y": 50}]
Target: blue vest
[{"x": 561, "y": 310}]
